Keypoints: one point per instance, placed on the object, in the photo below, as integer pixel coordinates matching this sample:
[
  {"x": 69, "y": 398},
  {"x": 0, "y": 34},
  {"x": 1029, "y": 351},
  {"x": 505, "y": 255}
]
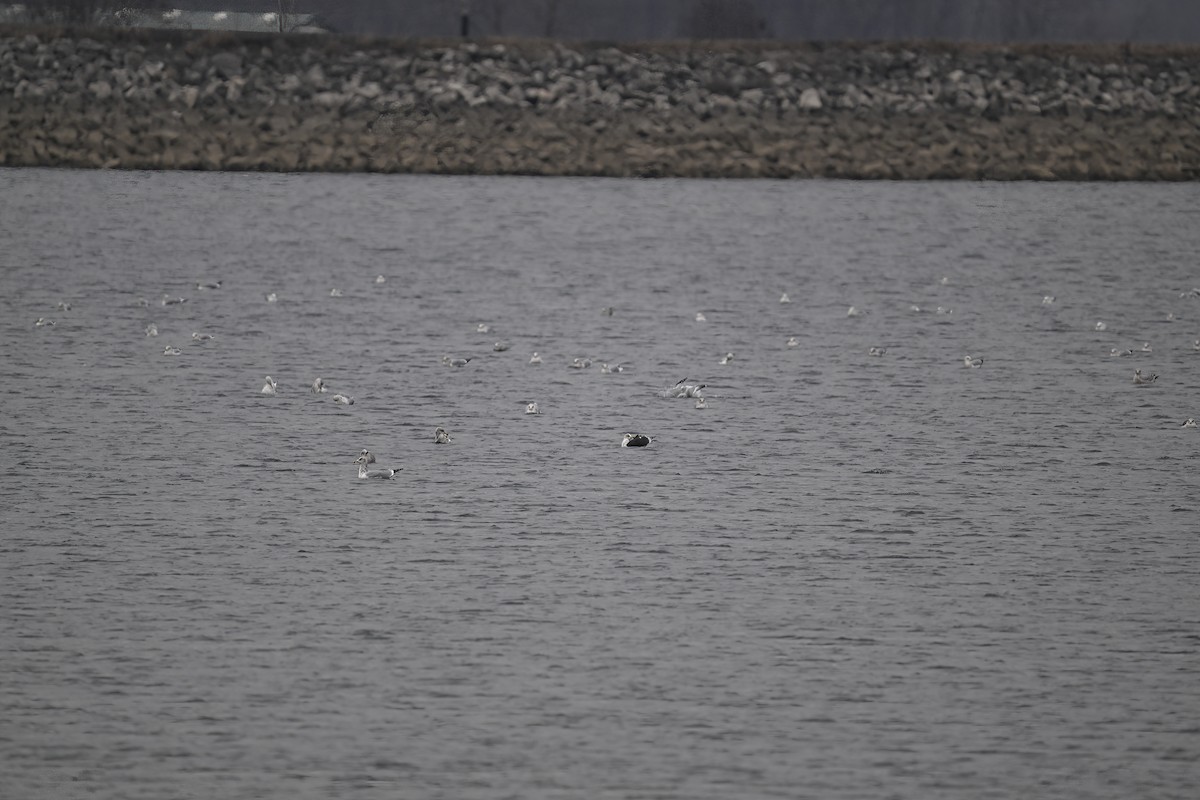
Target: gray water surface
[{"x": 849, "y": 576}]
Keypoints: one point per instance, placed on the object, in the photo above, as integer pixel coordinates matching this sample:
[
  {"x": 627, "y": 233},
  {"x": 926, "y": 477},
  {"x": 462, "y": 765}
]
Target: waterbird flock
[{"x": 682, "y": 388}]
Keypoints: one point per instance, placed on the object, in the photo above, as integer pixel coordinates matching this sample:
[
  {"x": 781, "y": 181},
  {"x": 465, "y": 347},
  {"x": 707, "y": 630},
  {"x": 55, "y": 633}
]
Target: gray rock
[
  {"x": 101, "y": 90},
  {"x": 494, "y": 95},
  {"x": 810, "y": 100},
  {"x": 752, "y": 97},
  {"x": 227, "y": 64},
  {"x": 315, "y": 77},
  {"x": 329, "y": 99}
]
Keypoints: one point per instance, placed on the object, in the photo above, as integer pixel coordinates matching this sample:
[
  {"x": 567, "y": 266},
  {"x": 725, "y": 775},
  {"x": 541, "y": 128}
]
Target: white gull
[{"x": 383, "y": 474}]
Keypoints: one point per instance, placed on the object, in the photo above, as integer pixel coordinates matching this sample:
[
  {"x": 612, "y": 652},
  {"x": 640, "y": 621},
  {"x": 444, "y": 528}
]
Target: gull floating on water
[
  {"x": 793, "y": 341},
  {"x": 700, "y": 317},
  {"x": 607, "y": 311},
  {"x": 1196, "y": 345},
  {"x": 172, "y": 301},
  {"x": 532, "y": 408},
  {"x": 1048, "y": 300},
  {"x": 318, "y": 386},
  {"x": 1188, "y": 423},
  {"x": 783, "y": 298},
  {"x": 42, "y": 322},
  {"x": 973, "y": 363},
  {"x": 380, "y": 279},
  {"x": 1101, "y": 326},
  {"x": 944, "y": 310},
  {"x": 500, "y": 347},
  {"x": 363, "y": 472},
  {"x": 171, "y": 351},
  {"x": 944, "y": 280},
  {"x": 701, "y": 402},
  {"x": 201, "y": 287},
  {"x": 1145, "y": 348},
  {"x": 152, "y": 329},
  {"x": 367, "y": 456},
  {"x": 440, "y": 436},
  {"x": 853, "y": 311},
  {"x": 64, "y": 306},
  {"x": 455, "y": 362},
  {"x": 605, "y": 369},
  {"x": 916, "y": 309},
  {"x": 635, "y": 440},
  {"x": 726, "y": 359},
  {"x": 335, "y": 292},
  {"x": 580, "y": 363},
  {"x": 272, "y": 297},
  {"x": 1170, "y": 316},
  {"x": 343, "y": 399},
  {"x": 1117, "y": 353},
  {"x": 269, "y": 386},
  {"x": 201, "y": 337},
  {"x": 1143, "y": 380},
  {"x": 481, "y": 328},
  {"x": 876, "y": 351},
  {"x": 535, "y": 359}
]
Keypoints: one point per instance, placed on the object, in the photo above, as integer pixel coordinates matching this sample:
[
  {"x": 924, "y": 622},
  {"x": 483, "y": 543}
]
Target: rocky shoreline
[{"x": 174, "y": 100}]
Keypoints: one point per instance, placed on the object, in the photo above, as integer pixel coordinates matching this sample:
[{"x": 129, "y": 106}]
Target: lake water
[{"x": 849, "y": 576}]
